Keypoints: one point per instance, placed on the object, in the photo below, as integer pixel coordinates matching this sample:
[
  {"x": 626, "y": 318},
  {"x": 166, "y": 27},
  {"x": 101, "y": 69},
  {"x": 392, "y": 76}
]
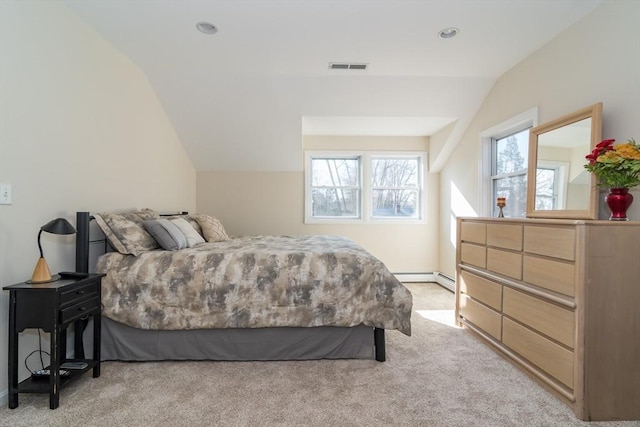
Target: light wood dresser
[{"x": 561, "y": 300}]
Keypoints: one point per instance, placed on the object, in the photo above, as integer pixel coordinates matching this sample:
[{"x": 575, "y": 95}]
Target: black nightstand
[{"x": 53, "y": 307}]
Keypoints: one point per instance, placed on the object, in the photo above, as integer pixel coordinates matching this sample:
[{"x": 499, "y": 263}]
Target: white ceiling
[{"x": 241, "y": 99}]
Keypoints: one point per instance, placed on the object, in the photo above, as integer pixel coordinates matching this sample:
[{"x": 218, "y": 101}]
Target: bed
[{"x": 237, "y": 298}]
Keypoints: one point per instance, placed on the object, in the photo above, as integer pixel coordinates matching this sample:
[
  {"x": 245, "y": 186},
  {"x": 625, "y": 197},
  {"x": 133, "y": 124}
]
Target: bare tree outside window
[
  {"x": 358, "y": 187},
  {"x": 509, "y": 174},
  {"x": 335, "y": 187},
  {"x": 395, "y": 187},
  {"x": 546, "y": 189}
]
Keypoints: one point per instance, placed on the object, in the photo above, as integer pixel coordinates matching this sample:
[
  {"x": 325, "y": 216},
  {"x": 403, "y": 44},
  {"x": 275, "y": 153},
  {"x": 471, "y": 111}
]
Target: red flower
[
  {"x": 601, "y": 148},
  {"x": 606, "y": 144}
]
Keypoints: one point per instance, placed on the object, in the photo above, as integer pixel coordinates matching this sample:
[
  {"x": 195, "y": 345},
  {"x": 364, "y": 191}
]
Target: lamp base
[
  {"x": 41, "y": 273},
  {"x": 54, "y": 278}
]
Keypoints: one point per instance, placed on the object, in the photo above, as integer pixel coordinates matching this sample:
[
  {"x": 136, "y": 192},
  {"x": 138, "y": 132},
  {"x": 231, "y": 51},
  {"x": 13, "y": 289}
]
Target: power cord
[{"x": 39, "y": 350}]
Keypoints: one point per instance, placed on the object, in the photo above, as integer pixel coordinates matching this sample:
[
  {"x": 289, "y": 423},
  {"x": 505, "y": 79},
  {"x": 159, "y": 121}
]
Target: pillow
[
  {"x": 212, "y": 229},
  {"x": 167, "y": 234},
  {"x": 189, "y": 218},
  {"x": 126, "y": 231},
  {"x": 193, "y": 237}
]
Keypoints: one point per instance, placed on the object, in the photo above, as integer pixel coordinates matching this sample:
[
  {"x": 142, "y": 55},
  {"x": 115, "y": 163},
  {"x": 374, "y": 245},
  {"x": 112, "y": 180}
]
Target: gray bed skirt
[{"x": 121, "y": 342}]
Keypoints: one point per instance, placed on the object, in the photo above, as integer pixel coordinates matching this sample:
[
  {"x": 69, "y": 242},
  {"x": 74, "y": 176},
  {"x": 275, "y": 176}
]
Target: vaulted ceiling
[{"x": 242, "y": 98}]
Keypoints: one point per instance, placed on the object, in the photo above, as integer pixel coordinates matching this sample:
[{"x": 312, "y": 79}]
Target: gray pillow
[
  {"x": 126, "y": 232},
  {"x": 167, "y": 234},
  {"x": 193, "y": 238}
]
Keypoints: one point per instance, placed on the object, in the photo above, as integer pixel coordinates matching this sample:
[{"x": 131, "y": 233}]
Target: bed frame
[{"x": 121, "y": 342}]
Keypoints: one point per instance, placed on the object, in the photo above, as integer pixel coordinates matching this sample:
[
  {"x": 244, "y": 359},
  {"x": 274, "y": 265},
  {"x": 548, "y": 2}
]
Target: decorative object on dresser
[
  {"x": 618, "y": 201},
  {"x": 41, "y": 273},
  {"x": 558, "y": 186},
  {"x": 501, "y": 203},
  {"x": 52, "y": 307},
  {"x": 559, "y": 299},
  {"x": 616, "y": 167}
]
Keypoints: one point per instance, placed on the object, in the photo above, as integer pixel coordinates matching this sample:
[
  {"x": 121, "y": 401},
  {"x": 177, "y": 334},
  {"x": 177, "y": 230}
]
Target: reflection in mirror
[
  {"x": 561, "y": 180},
  {"x": 558, "y": 185}
]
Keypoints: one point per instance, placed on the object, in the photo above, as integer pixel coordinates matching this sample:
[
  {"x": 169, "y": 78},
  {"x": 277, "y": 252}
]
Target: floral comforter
[{"x": 255, "y": 282}]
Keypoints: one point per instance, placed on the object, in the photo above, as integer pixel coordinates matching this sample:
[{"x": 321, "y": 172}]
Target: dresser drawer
[
  {"x": 481, "y": 289},
  {"x": 503, "y": 262},
  {"x": 79, "y": 310},
  {"x": 549, "y": 274},
  {"x": 505, "y": 236},
  {"x": 79, "y": 293},
  {"x": 481, "y": 316},
  {"x": 556, "y": 242},
  {"x": 473, "y": 232},
  {"x": 547, "y": 355},
  {"x": 473, "y": 254},
  {"x": 549, "y": 319}
]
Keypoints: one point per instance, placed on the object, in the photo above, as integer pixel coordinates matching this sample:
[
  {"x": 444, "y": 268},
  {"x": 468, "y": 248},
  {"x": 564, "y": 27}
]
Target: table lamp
[{"x": 41, "y": 273}]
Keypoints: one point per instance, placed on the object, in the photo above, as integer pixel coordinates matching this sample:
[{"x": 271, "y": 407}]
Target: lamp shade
[
  {"x": 58, "y": 226},
  {"x": 41, "y": 273}
]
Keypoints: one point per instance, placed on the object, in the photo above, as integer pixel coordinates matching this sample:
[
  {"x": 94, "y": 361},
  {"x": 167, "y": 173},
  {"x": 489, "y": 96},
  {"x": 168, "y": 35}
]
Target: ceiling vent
[{"x": 347, "y": 66}]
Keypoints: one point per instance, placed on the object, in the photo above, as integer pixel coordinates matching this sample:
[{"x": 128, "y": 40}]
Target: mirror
[{"x": 558, "y": 185}]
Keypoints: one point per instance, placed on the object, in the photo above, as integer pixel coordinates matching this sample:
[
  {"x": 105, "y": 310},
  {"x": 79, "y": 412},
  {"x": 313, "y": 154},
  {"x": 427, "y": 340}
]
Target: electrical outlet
[{"x": 5, "y": 194}]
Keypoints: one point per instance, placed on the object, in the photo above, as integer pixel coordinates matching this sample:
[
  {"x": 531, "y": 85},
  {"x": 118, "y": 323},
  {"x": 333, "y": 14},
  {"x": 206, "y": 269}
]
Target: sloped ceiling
[{"x": 241, "y": 99}]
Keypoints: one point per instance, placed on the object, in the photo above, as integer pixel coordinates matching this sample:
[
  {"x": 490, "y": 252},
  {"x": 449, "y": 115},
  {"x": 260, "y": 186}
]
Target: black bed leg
[{"x": 378, "y": 341}]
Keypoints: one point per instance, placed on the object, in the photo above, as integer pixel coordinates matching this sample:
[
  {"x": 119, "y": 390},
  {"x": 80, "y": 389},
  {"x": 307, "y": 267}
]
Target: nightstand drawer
[
  {"x": 79, "y": 293},
  {"x": 79, "y": 310}
]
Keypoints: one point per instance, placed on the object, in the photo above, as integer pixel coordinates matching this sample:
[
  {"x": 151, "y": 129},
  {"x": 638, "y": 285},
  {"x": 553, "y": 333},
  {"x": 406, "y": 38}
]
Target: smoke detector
[
  {"x": 206, "y": 27},
  {"x": 448, "y": 33}
]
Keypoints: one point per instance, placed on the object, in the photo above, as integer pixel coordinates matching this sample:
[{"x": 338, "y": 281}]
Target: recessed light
[
  {"x": 448, "y": 33},
  {"x": 206, "y": 27}
]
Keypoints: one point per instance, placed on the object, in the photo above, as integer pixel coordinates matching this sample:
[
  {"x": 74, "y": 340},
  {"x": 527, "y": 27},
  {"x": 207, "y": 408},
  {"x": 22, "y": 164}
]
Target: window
[
  {"x": 335, "y": 187},
  {"x": 395, "y": 187},
  {"x": 359, "y": 187},
  {"x": 509, "y": 172},
  {"x": 504, "y": 164}
]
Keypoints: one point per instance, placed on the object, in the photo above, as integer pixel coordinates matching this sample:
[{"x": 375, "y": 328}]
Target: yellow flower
[
  {"x": 611, "y": 156},
  {"x": 627, "y": 151}
]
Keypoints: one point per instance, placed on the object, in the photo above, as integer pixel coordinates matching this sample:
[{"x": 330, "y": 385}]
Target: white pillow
[{"x": 193, "y": 238}]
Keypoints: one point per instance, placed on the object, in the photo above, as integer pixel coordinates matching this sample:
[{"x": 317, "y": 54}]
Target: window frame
[
  {"x": 560, "y": 181},
  {"x": 518, "y": 123},
  {"x": 308, "y": 186},
  {"x": 366, "y": 187}
]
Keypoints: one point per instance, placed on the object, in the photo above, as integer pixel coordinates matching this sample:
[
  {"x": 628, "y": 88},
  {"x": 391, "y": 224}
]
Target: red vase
[{"x": 618, "y": 201}]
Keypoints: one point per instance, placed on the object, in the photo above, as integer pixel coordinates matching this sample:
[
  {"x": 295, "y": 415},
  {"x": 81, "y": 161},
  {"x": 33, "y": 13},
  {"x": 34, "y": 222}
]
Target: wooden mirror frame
[{"x": 595, "y": 113}]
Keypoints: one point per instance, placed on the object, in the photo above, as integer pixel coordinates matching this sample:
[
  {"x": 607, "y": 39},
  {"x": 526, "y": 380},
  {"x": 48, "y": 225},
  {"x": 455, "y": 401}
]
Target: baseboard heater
[{"x": 434, "y": 277}]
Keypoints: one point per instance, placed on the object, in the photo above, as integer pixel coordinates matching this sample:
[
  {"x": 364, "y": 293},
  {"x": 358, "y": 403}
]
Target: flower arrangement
[{"x": 615, "y": 166}]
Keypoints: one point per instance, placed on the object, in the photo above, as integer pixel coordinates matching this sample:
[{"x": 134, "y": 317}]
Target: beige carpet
[{"x": 441, "y": 376}]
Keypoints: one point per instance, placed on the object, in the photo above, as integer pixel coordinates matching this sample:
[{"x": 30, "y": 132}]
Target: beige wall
[
  {"x": 80, "y": 129},
  {"x": 595, "y": 60},
  {"x": 273, "y": 203}
]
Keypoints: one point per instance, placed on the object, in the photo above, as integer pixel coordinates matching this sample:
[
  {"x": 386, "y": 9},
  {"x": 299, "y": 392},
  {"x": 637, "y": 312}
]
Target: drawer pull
[
  {"x": 80, "y": 292},
  {"x": 82, "y": 309}
]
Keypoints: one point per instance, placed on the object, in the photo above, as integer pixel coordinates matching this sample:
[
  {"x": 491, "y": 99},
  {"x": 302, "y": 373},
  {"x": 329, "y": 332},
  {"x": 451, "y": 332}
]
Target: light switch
[{"x": 5, "y": 194}]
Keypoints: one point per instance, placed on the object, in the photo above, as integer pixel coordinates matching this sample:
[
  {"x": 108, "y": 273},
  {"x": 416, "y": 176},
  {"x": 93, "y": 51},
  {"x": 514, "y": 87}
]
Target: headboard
[{"x": 90, "y": 243}]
